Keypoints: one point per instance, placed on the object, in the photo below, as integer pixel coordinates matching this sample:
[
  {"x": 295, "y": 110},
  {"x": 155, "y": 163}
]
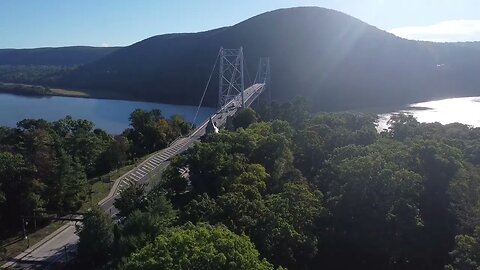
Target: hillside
[
  {"x": 334, "y": 60},
  {"x": 63, "y": 56}
]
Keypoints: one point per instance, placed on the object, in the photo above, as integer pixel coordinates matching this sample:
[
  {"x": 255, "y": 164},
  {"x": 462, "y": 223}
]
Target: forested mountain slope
[
  {"x": 333, "y": 59},
  {"x": 336, "y": 61},
  {"x": 62, "y": 56}
]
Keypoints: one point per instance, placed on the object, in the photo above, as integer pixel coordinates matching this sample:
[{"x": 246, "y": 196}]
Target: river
[
  {"x": 107, "y": 114},
  {"x": 465, "y": 110}
]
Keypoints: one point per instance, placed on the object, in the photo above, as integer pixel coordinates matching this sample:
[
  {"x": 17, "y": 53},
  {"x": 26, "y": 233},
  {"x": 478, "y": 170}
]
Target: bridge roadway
[{"x": 57, "y": 248}]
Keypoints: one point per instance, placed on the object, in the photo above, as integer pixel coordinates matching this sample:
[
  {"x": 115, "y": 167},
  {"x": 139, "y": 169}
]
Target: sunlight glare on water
[{"x": 462, "y": 110}]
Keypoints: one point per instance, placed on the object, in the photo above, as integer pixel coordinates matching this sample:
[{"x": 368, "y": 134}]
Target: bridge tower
[
  {"x": 231, "y": 82},
  {"x": 263, "y": 75}
]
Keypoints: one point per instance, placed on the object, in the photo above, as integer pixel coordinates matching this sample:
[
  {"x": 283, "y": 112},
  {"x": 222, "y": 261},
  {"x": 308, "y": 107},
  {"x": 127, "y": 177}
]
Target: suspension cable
[
  {"x": 246, "y": 69},
  {"x": 205, "y": 90}
]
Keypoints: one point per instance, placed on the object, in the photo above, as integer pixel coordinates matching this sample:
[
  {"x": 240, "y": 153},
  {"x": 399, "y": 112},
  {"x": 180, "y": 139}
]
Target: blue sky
[{"x": 40, "y": 23}]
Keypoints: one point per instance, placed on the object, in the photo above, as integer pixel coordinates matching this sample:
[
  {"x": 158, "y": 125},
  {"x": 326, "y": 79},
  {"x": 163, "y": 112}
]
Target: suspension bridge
[{"x": 53, "y": 251}]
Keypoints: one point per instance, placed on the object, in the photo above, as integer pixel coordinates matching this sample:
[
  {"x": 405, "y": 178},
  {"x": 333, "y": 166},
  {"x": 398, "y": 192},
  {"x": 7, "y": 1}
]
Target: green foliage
[
  {"x": 326, "y": 132},
  {"x": 114, "y": 157},
  {"x": 131, "y": 199},
  {"x": 375, "y": 206},
  {"x": 296, "y": 113},
  {"x": 305, "y": 194},
  {"x": 244, "y": 118},
  {"x": 465, "y": 195},
  {"x": 198, "y": 247},
  {"x": 174, "y": 182},
  {"x": 45, "y": 165},
  {"x": 151, "y": 131},
  {"x": 96, "y": 238},
  {"x": 142, "y": 226},
  {"x": 286, "y": 232},
  {"x": 34, "y": 74},
  {"x": 200, "y": 209},
  {"x": 70, "y": 188},
  {"x": 21, "y": 191},
  {"x": 466, "y": 254}
]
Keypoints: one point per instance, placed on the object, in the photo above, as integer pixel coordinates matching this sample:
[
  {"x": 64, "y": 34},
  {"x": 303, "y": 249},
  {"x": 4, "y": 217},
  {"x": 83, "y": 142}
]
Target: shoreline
[
  {"x": 38, "y": 90},
  {"x": 27, "y": 91}
]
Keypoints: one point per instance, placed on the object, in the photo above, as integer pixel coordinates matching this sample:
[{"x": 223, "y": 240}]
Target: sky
[{"x": 54, "y": 23}]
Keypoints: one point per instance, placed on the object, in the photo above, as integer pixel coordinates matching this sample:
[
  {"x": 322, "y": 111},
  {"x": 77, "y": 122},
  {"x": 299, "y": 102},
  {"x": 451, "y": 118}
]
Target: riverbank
[{"x": 38, "y": 90}]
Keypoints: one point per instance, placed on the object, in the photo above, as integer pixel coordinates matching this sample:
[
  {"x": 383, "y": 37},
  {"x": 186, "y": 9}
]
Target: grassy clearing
[
  {"x": 28, "y": 89},
  {"x": 70, "y": 93},
  {"x": 101, "y": 186}
]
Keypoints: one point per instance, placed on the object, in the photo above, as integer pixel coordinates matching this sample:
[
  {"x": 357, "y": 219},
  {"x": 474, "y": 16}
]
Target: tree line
[
  {"x": 295, "y": 190},
  {"x": 46, "y": 166}
]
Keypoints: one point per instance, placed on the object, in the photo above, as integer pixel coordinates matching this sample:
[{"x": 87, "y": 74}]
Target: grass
[
  {"x": 101, "y": 186},
  {"x": 28, "y": 89},
  {"x": 70, "y": 93},
  {"x": 17, "y": 244}
]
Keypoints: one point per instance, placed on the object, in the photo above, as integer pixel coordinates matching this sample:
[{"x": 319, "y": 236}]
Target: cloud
[
  {"x": 454, "y": 30},
  {"x": 104, "y": 45}
]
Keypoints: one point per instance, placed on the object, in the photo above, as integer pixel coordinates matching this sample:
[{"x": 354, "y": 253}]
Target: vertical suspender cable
[{"x": 248, "y": 74}]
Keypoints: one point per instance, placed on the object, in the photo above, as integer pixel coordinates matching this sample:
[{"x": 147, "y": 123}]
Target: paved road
[{"x": 53, "y": 251}]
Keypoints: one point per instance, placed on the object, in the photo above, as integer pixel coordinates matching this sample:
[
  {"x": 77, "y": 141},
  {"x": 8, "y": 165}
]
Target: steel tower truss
[{"x": 231, "y": 82}]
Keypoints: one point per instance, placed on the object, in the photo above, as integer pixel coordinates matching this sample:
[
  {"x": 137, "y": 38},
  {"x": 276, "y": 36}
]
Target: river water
[
  {"x": 465, "y": 110},
  {"x": 110, "y": 115}
]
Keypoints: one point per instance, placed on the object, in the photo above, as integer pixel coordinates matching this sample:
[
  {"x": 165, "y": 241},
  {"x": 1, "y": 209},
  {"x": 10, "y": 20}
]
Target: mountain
[
  {"x": 335, "y": 61},
  {"x": 63, "y": 56}
]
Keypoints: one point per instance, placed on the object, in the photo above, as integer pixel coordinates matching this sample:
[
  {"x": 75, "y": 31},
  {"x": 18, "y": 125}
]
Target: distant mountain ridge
[
  {"x": 334, "y": 60},
  {"x": 61, "y": 56}
]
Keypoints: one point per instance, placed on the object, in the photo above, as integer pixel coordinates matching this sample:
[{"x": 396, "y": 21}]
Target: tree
[
  {"x": 210, "y": 164},
  {"x": 375, "y": 207},
  {"x": 201, "y": 209},
  {"x": 139, "y": 229},
  {"x": 466, "y": 255},
  {"x": 240, "y": 204},
  {"x": 179, "y": 125},
  {"x": 274, "y": 153},
  {"x": 131, "y": 199},
  {"x": 244, "y": 118},
  {"x": 439, "y": 164},
  {"x": 96, "y": 238},
  {"x": 143, "y": 224},
  {"x": 81, "y": 141},
  {"x": 198, "y": 247},
  {"x": 67, "y": 188},
  {"x": 114, "y": 156},
  {"x": 174, "y": 182},
  {"x": 287, "y": 232},
  {"x": 295, "y": 113},
  {"x": 150, "y": 132},
  {"x": 21, "y": 190},
  {"x": 402, "y": 126}
]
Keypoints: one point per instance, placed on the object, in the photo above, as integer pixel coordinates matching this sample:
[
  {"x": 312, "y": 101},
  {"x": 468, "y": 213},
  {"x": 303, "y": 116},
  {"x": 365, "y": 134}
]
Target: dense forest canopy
[{"x": 306, "y": 191}]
